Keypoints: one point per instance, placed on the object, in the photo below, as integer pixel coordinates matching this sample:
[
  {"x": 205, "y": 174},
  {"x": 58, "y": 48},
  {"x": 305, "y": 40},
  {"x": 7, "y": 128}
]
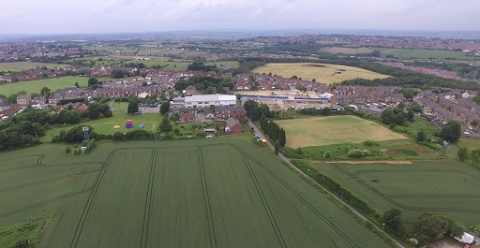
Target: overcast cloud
[{"x": 94, "y": 16}]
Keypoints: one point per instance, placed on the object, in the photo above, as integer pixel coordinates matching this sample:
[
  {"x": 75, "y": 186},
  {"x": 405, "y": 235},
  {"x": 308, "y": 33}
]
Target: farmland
[
  {"x": 202, "y": 193},
  {"x": 34, "y": 86},
  {"x": 423, "y": 53},
  {"x": 322, "y": 131},
  {"x": 446, "y": 188},
  {"x": 322, "y": 73},
  {"x": 346, "y": 50},
  {"x": 20, "y": 66}
]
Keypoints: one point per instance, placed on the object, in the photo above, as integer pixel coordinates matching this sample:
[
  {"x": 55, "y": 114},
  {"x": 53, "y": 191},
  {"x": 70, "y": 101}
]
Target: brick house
[
  {"x": 233, "y": 126},
  {"x": 187, "y": 117},
  {"x": 224, "y": 112}
]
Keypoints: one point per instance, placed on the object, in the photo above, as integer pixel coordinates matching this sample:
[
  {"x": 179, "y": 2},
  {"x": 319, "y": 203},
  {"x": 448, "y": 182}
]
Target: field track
[
  {"x": 84, "y": 232},
  {"x": 363, "y": 162}
]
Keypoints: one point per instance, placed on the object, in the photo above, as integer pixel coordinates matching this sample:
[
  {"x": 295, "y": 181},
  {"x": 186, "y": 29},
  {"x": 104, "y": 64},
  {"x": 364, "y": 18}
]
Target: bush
[
  {"x": 68, "y": 150},
  {"x": 463, "y": 154},
  {"x": 327, "y": 154},
  {"x": 431, "y": 145},
  {"x": 358, "y": 153},
  {"x": 370, "y": 143}
]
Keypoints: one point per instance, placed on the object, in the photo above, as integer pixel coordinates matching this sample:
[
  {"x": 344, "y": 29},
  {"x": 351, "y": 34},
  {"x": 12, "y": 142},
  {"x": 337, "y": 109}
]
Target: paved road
[{"x": 260, "y": 134}]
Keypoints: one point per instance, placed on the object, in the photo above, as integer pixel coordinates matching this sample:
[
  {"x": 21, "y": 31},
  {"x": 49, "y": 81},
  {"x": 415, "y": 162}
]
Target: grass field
[
  {"x": 324, "y": 74},
  {"x": 322, "y": 131},
  {"x": 346, "y": 50},
  {"x": 20, "y": 66},
  {"x": 424, "y": 53},
  {"x": 105, "y": 125},
  {"x": 35, "y": 86},
  {"x": 447, "y": 188},
  {"x": 202, "y": 193}
]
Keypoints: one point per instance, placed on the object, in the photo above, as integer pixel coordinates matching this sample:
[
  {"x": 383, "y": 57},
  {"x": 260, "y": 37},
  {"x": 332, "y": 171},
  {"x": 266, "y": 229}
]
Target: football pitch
[
  {"x": 222, "y": 192},
  {"x": 320, "y": 131},
  {"x": 441, "y": 187}
]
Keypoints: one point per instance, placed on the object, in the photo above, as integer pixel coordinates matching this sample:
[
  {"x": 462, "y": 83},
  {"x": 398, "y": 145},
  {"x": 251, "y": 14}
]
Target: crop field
[
  {"x": 20, "y": 66},
  {"x": 322, "y": 131},
  {"x": 346, "y": 50},
  {"x": 34, "y": 86},
  {"x": 203, "y": 193},
  {"x": 446, "y": 188},
  {"x": 424, "y": 53},
  {"x": 322, "y": 73}
]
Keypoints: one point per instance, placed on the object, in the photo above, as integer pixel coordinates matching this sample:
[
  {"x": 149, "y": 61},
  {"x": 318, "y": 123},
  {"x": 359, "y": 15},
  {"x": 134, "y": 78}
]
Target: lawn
[
  {"x": 424, "y": 53},
  {"x": 322, "y": 131},
  {"x": 322, "y": 73},
  {"x": 346, "y": 50},
  {"x": 20, "y": 66},
  {"x": 105, "y": 125},
  {"x": 441, "y": 187},
  {"x": 199, "y": 193},
  {"x": 35, "y": 86}
]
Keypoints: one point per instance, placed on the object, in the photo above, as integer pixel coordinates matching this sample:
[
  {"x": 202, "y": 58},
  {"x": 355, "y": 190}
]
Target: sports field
[
  {"x": 322, "y": 131},
  {"x": 20, "y": 66},
  {"x": 221, "y": 192},
  {"x": 424, "y": 53},
  {"x": 447, "y": 188},
  {"x": 346, "y": 50},
  {"x": 322, "y": 73},
  {"x": 34, "y": 86}
]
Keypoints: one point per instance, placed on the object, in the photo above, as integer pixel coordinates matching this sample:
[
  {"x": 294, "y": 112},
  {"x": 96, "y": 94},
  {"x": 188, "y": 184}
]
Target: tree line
[
  {"x": 206, "y": 85},
  {"x": 263, "y": 114}
]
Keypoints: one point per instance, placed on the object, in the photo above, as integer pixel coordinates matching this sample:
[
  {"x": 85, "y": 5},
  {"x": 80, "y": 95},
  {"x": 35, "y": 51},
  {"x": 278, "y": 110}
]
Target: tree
[
  {"x": 132, "y": 108},
  {"x": 165, "y": 126},
  {"x": 430, "y": 228},
  {"x": 417, "y": 108},
  {"x": 76, "y": 84},
  {"x": 163, "y": 97},
  {"x": 388, "y": 116},
  {"x": 410, "y": 116},
  {"x": 45, "y": 91},
  {"x": 456, "y": 229},
  {"x": 93, "y": 111},
  {"x": 164, "y": 108},
  {"x": 92, "y": 81},
  {"x": 175, "y": 117},
  {"x": 421, "y": 136},
  {"x": 393, "y": 218},
  {"x": 452, "y": 131},
  {"x": 72, "y": 116},
  {"x": 463, "y": 154},
  {"x": 474, "y": 123}
]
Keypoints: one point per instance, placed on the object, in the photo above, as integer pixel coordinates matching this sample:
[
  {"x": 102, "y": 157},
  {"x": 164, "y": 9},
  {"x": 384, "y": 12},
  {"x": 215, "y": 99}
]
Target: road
[{"x": 260, "y": 134}]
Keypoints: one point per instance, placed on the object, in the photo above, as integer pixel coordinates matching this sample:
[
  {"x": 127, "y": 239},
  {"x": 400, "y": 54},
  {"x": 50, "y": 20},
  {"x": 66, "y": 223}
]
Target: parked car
[{"x": 467, "y": 133}]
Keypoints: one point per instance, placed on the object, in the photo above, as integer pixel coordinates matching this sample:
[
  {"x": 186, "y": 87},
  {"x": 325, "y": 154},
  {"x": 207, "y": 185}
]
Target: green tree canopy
[
  {"x": 165, "y": 125},
  {"x": 164, "y": 108},
  {"x": 393, "y": 218},
  {"x": 132, "y": 108},
  {"x": 452, "y": 131}
]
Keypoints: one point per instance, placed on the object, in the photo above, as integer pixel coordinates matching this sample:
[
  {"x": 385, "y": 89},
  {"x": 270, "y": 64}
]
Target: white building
[{"x": 205, "y": 101}]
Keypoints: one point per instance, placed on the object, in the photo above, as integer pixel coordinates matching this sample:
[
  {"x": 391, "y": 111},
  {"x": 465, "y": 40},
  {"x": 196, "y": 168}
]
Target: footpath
[{"x": 260, "y": 134}]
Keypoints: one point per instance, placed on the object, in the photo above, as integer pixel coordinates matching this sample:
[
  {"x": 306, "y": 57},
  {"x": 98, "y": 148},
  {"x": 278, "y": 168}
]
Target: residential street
[{"x": 260, "y": 134}]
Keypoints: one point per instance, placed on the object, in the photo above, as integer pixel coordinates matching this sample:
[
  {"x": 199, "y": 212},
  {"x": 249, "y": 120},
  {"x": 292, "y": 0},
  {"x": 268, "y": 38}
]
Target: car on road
[{"x": 467, "y": 133}]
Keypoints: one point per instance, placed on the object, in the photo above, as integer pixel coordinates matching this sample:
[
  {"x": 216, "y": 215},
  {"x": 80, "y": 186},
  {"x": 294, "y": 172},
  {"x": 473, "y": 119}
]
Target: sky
[{"x": 113, "y": 16}]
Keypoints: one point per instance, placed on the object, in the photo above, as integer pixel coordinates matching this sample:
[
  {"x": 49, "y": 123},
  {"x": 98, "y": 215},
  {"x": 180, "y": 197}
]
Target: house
[
  {"x": 24, "y": 99},
  {"x": 191, "y": 90},
  {"x": 233, "y": 126},
  {"x": 15, "y": 107},
  {"x": 39, "y": 100},
  {"x": 229, "y": 111},
  {"x": 210, "y": 115},
  {"x": 187, "y": 117},
  {"x": 83, "y": 108}
]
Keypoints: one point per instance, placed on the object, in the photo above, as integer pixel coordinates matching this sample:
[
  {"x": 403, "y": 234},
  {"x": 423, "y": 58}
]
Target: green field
[
  {"x": 105, "y": 125},
  {"x": 20, "y": 66},
  {"x": 322, "y": 73},
  {"x": 34, "y": 86},
  {"x": 447, "y": 188},
  {"x": 201, "y": 193},
  {"x": 423, "y": 53},
  {"x": 322, "y": 131}
]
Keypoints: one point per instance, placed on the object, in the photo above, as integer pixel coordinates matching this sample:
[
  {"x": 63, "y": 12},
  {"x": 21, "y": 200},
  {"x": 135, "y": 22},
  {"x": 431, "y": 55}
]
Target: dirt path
[{"x": 362, "y": 162}]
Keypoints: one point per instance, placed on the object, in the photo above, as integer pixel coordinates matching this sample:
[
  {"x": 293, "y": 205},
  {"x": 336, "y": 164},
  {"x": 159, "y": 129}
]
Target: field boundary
[{"x": 361, "y": 162}]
